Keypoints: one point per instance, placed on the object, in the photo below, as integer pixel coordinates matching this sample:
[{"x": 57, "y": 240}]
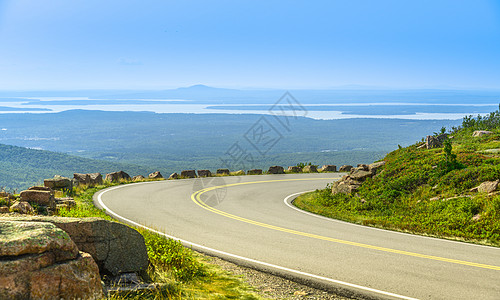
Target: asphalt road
[{"x": 246, "y": 219}]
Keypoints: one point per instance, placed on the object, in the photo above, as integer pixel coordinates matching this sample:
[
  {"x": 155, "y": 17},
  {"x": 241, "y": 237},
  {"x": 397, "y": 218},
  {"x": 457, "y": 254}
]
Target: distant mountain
[{"x": 22, "y": 167}]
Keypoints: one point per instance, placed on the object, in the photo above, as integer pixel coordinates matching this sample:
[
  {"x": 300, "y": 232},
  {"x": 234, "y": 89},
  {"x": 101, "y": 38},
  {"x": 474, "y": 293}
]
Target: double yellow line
[{"x": 196, "y": 197}]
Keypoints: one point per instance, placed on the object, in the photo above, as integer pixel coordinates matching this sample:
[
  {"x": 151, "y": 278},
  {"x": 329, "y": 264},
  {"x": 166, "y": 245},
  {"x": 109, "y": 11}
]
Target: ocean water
[{"x": 410, "y": 111}]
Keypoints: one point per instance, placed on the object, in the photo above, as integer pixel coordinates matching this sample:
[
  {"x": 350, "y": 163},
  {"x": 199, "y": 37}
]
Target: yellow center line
[{"x": 196, "y": 198}]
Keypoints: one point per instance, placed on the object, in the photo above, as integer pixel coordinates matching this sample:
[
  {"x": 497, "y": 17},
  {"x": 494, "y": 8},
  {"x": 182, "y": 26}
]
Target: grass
[
  {"x": 426, "y": 191},
  {"x": 179, "y": 272}
]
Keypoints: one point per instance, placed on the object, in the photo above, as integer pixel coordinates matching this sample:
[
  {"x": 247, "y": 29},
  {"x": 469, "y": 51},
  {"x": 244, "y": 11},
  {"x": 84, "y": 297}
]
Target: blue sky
[{"x": 87, "y": 44}]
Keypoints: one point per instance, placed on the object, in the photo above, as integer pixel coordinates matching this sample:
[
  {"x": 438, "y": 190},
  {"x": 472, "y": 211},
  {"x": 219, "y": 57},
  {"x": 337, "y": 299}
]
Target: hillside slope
[
  {"x": 429, "y": 191},
  {"x": 21, "y": 167}
]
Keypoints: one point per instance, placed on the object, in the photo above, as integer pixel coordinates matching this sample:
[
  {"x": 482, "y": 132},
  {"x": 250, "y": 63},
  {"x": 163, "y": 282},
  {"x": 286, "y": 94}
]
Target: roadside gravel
[{"x": 271, "y": 286}]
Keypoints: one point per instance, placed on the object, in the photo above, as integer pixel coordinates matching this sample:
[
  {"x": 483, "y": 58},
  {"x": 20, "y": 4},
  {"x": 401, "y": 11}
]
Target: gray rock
[
  {"x": 45, "y": 198},
  {"x": 479, "y": 133},
  {"x": 254, "y": 172},
  {"x": 294, "y": 169},
  {"x": 345, "y": 168},
  {"x": 117, "y": 176},
  {"x": 374, "y": 168},
  {"x": 344, "y": 187},
  {"x": 22, "y": 207},
  {"x": 328, "y": 168},
  {"x": 58, "y": 183},
  {"x": 222, "y": 172},
  {"x": 488, "y": 186},
  {"x": 435, "y": 141},
  {"x": 4, "y": 209},
  {"x": 173, "y": 176},
  {"x": 204, "y": 173},
  {"x": 360, "y": 175},
  {"x": 116, "y": 248},
  {"x": 155, "y": 175},
  {"x": 95, "y": 179},
  {"x": 40, "y": 261},
  {"x": 310, "y": 169},
  {"x": 138, "y": 178},
  {"x": 82, "y": 179},
  {"x": 188, "y": 174},
  {"x": 276, "y": 170}
]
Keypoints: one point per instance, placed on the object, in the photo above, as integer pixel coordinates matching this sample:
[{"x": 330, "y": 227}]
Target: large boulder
[
  {"x": 44, "y": 198},
  {"x": 58, "y": 183},
  {"x": 276, "y": 170},
  {"x": 22, "y": 207},
  {"x": 173, "y": 176},
  {"x": 351, "y": 182},
  {"x": 344, "y": 187},
  {"x": 310, "y": 169},
  {"x": 90, "y": 179},
  {"x": 254, "y": 172},
  {"x": 40, "y": 261},
  {"x": 222, "y": 172},
  {"x": 117, "y": 176},
  {"x": 204, "y": 173},
  {"x": 345, "y": 168},
  {"x": 116, "y": 248},
  {"x": 479, "y": 133},
  {"x": 360, "y": 175},
  {"x": 294, "y": 169},
  {"x": 374, "y": 167},
  {"x": 188, "y": 174},
  {"x": 328, "y": 168},
  {"x": 95, "y": 179},
  {"x": 138, "y": 178},
  {"x": 82, "y": 179},
  {"x": 155, "y": 175},
  {"x": 487, "y": 187}
]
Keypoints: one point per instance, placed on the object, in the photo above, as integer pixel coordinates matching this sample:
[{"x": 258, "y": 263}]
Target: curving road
[{"x": 249, "y": 220}]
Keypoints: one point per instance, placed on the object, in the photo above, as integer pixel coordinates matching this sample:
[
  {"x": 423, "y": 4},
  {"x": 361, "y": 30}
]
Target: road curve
[{"x": 249, "y": 220}]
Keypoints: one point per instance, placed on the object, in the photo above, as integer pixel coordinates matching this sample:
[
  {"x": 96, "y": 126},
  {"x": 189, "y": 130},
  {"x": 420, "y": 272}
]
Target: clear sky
[{"x": 108, "y": 44}]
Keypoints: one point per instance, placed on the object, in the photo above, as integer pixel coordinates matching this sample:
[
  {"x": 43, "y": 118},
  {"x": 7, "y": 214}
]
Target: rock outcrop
[
  {"x": 254, "y": 172},
  {"x": 479, "y": 133},
  {"x": 116, "y": 248},
  {"x": 432, "y": 141},
  {"x": 155, "y": 175},
  {"x": 487, "y": 187},
  {"x": 222, "y": 172},
  {"x": 40, "y": 261},
  {"x": 328, "y": 168},
  {"x": 188, "y": 174},
  {"x": 204, "y": 173},
  {"x": 117, "y": 176},
  {"x": 351, "y": 182},
  {"x": 276, "y": 170}
]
